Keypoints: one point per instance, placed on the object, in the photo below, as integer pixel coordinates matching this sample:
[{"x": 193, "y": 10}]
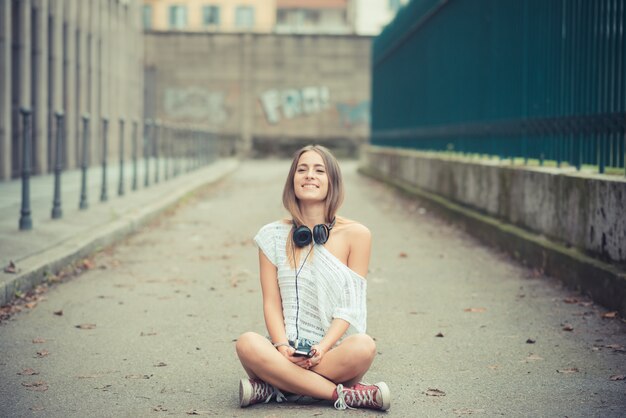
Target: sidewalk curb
[
  {"x": 36, "y": 268},
  {"x": 603, "y": 282}
]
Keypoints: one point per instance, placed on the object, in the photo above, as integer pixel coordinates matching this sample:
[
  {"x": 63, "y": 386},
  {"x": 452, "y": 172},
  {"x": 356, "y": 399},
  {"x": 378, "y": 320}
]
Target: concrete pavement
[{"x": 159, "y": 312}]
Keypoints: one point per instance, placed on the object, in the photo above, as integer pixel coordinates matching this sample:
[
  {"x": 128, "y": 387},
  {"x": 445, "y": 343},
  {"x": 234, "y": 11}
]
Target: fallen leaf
[
  {"x": 160, "y": 364},
  {"x": 159, "y": 408},
  {"x": 439, "y": 334},
  {"x": 403, "y": 255},
  {"x": 30, "y": 305},
  {"x": 147, "y": 334},
  {"x": 138, "y": 376},
  {"x": 568, "y": 327},
  {"x": 610, "y": 315},
  {"x": 530, "y": 341},
  {"x": 617, "y": 377},
  {"x": 42, "y": 353},
  {"x": 435, "y": 392},
  {"x": 88, "y": 264},
  {"x": 28, "y": 372},
  {"x": 88, "y": 376},
  {"x": 11, "y": 268},
  {"x": 39, "y": 340},
  {"x": 196, "y": 412},
  {"x": 494, "y": 366},
  {"x": 534, "y": 357},
  {"x": 568, "y": 370},
  {"x": 475, "y": 309},
  {"x": 615, "y": 347},
  {"x": 39, "y": 386},
  {"x": 467, "y": 411},
  {"x": 86, "y": 326},
  {"x": 58, "y": 313},
  {"x": 570, "y": 300},
  {"x": 36, "y": 408}
]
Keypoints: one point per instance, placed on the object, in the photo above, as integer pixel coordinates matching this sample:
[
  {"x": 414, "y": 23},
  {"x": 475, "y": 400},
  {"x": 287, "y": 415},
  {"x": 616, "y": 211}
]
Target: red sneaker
[
  {"x": 363, "y": 395},
  {"x": 253, "y": 391}
]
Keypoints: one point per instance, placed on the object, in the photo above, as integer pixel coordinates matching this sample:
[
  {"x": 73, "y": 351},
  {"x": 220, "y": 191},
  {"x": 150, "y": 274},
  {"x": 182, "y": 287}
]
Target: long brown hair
[{"x": 334, "y": 197}]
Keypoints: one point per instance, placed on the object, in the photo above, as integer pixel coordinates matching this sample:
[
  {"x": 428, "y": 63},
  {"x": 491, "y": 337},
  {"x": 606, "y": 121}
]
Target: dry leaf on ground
[
  {"x": 11, "y": 268},
  {"x": 570, "y": 300},
  {"x": 403, "y": 255},
  {"x": 42, "y": 353},
  {"x": 58, "y": 313},
  {"x": 568, "y": 327},
  {"x": 39, "y": 340},
  {"x": 439, "y": 334},
  {"x": 617, "y": 377},
  {"x": 610, "y": 315},
  {"x": 467, "y": 411},
  {"x": 568, "y": 370},
  {"x": 138, "y": 376},
  {"x": 147, "y": 334},
  {"x": 160, "y": 364},
  {"x": 435, "y": 392},
  {"x": 86, "y": 326},
  {"x": 39, "y": 386},
  {"x": 474, "y": 309},
  {"x": 530, "y": 341},
  {"x": 28, "y": 372},
  {"x": 533, "y": 357}
]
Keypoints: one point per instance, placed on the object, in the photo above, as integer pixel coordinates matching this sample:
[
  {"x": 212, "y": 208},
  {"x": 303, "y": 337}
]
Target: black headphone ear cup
[
  {"x": 320, "y": 234},
  {"x": 302, "y": 236}
]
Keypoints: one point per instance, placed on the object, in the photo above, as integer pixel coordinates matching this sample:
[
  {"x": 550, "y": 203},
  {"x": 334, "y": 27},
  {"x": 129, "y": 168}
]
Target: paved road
[{"x": 168, "y": 303}]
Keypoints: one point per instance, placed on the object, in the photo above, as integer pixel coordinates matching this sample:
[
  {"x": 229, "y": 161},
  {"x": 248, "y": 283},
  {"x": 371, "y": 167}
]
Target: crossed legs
[{"x": 347, "y": 364}]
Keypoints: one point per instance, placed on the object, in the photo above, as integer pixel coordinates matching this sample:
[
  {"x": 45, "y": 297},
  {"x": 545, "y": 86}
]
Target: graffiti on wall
[
  {"x": 195, "y": 103},
  {"x": 351, "y": 115},
  {"x": 291, "y": 103}
]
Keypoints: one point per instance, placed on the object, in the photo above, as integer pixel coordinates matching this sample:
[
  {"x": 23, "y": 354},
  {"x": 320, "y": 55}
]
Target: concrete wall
[
  {"x": 262, "y": 89},
  {"x": 582, "y": 210}
]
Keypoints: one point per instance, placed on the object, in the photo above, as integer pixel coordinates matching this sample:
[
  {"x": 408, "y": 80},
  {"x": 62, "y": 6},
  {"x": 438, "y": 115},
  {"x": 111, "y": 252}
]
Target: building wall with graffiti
[{"x": 269, "y": 93}]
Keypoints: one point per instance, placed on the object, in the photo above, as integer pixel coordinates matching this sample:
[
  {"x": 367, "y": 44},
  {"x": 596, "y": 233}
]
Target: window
[
  {"x": 147, "y": 16},
  {"x": 178, "y": 17},
  {"x": 210, "y": 15},
  {"x": 394, "y": 5},
  {"x": 244, "y": 17}
]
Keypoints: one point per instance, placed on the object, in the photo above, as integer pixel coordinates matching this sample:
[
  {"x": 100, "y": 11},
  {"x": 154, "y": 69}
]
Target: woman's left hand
[{"x": 317, "y": 357}]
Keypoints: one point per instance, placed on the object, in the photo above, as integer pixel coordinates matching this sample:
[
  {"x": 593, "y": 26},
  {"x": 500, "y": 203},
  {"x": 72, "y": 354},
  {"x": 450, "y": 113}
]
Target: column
[
  {"x": 69, "y": 84},
  {"x": 5, "y": 90},
  {"x": 55, "y": 69},
  {"x": 40, "y": 89}
]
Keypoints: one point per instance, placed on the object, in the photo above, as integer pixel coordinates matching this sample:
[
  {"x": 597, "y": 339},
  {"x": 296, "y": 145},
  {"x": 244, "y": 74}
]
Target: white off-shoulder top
[{"x": 327, "y": 288}]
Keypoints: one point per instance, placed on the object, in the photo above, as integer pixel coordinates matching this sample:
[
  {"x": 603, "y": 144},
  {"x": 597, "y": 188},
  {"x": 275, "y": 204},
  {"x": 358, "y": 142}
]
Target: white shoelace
[{"x": 359, "y": 397}]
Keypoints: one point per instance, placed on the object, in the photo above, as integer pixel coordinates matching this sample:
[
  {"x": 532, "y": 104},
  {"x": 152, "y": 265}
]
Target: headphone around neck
[{"x": 302, "y": 235}]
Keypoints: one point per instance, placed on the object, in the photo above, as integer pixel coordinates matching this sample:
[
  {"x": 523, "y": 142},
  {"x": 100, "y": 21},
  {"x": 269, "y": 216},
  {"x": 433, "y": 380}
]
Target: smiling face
[{"x": 310, "y": 181}]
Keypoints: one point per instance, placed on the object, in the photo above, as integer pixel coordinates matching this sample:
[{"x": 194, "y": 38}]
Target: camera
[{"x": 304, "y": 353}]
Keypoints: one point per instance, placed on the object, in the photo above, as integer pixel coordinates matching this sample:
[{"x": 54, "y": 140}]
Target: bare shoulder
[{"x": 356, "y": 231}]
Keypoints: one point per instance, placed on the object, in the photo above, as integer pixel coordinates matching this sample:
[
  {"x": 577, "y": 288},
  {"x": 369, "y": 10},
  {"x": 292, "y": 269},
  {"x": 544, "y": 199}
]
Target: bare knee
[
  {"x": 362, "y": 349},
  {"x": 246, "y": 345}
]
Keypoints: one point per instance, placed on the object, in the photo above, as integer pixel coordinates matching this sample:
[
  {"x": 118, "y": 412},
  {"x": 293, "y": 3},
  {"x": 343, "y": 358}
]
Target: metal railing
[
  {"x": 534, "y": 80},
  {"x": 169, "y": 150}
]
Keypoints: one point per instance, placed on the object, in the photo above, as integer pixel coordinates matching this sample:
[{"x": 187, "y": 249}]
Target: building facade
[
  {"x": 77, "y": 57},
  {"x": 315, "y": 16},
  {"x": 257, "y": 16}
]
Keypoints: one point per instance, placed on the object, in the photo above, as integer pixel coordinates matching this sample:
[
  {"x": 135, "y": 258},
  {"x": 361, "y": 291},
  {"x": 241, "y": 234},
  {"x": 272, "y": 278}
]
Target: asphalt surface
[{"x": 161, "y": 310}]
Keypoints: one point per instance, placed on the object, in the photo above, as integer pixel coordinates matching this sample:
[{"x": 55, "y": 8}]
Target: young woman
[{"x": 312, "y": 269}]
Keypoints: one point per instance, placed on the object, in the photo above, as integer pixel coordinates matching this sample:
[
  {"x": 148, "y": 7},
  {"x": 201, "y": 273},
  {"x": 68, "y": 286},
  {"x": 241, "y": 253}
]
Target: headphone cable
[{"x": 297, "y": 272}]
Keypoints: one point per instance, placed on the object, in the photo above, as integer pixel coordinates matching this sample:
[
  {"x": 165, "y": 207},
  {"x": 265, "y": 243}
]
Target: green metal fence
[{"x": 530, "y": 79}]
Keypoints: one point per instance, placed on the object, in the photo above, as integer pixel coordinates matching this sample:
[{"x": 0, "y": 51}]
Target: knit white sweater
[{"x": 327, "y": 288}]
